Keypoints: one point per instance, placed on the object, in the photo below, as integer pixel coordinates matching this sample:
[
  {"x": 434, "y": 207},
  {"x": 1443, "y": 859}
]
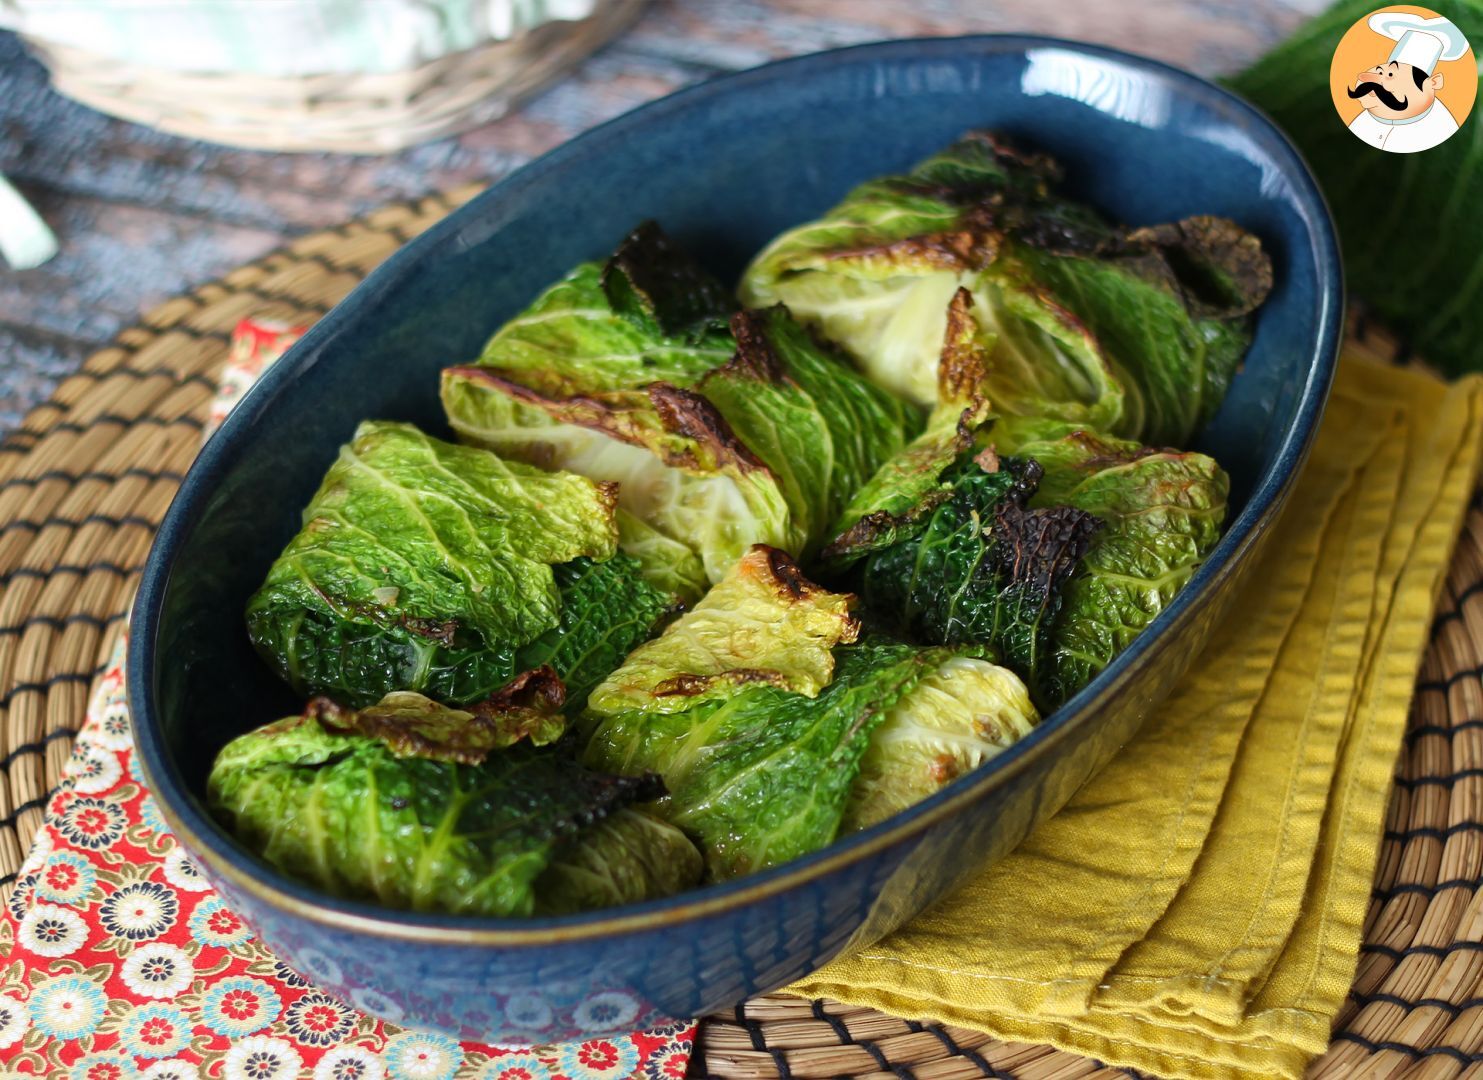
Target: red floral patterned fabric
[
  {"x": 121, "y": 962},
  {"x": 118, "y": 961}
]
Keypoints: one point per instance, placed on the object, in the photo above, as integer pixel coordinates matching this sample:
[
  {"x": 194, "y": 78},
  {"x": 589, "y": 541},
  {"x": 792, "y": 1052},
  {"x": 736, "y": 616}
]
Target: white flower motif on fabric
[
  {"x": 597, "y": 1059},
  {"x": 87, "y": 821},
  {"x": 113, "y": 731},
  {"x": 174, "y": 1069},
  {"x": 422, "y": 1055},
  {"x": 157, "y": 970},
  {"x": 93, "y": 769},
  {"x": 350, "y": 1063},
  {"x": 107, "y": 1065},
  {"x": 52, "y": 931},
  {"x": 262, "y": 1058},
  {"x": 182, "y": 873},
  {"x": 68, "y": 1007},
  {"x": 14, "y": 1020},
  {"x": 142, "y": 910},
  {"x": 517, "y": 1066},
  {"x": 154, "y": 1030}
]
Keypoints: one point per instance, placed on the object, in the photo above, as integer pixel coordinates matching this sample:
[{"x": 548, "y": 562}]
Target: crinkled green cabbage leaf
[
  {"x": 1053, "y": 544},
  {"x": 957, "y": 717},
  {"x": 757, "y": 714},
  {"x": 1131, "y": 331},
  {"x": 889, "y": 506},
  {"x": 628, "y": 856},
  {"x": 722, "y": 428},
  {"x": 346, "y": 802},
  {"x": 428, "y": 566},
  {"x": 764, "y": 623},
  {"x": 980, "y": 565},
  {"x": 1161, "y": 513}
]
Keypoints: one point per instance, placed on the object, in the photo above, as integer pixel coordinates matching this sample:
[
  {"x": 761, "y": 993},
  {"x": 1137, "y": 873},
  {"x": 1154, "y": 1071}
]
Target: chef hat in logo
[{"x": 1419, "y": 41}]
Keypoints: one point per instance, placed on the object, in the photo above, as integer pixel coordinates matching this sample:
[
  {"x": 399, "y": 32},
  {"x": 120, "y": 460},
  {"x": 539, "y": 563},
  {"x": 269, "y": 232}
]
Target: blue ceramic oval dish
[{"x": 724, "y": 167}]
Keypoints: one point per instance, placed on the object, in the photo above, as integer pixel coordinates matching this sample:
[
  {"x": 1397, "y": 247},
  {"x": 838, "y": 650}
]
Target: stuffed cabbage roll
[
  {"x": 1134, "y": 332},
  {"x": 1160, "y": 513},
  {"x": 421, "y": 807},
  {"x": 723, "y": 428},
  {"x": 1049, "y": 542},
  {"x": 428, "y": 566},
  {"x": 760, "y": 707}
]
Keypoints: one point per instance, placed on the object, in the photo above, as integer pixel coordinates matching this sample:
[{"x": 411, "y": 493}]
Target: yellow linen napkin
[{"x": 1197, "y": 909}]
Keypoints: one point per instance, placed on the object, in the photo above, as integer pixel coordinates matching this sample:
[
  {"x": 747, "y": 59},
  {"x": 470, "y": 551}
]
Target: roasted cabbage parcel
[
  {"x": 776, "y": 722},
  {"x": 419, "y": 806},
  {"x": 432, "y": 567},
  {"x": 722, "y": 428},
  {"x": 706, "y": 585},
  {"x": 1133, "y": 332},
  {"x": 1047, "y": 541}
]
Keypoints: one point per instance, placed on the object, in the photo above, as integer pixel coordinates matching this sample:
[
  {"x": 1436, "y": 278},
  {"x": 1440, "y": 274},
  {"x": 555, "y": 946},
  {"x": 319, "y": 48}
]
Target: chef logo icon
[{"x": 1403, "y": 79}]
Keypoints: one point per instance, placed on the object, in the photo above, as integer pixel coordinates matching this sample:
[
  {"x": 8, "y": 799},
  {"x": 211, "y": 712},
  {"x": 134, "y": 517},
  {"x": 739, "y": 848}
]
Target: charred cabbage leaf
[
  {"x": 410, "y": 725},
  {"x": 354, "y": 809},
  {"x": 723, "y": 429},
  {"x": 1058, "y": 553},
  {"x": 757, "y": 712},
  {"x": 957, "y": 717},
  {"x": 1132, "y": 331},
  {"x": 980, "y": 565},
  {"x": 1161, "y": 513},
  {"x": 764, "y": 623},
  {"x": 438, "y": 568}
]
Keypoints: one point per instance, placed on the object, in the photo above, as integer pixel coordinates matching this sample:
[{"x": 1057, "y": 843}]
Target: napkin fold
[{"x": 1197, "y": 909}]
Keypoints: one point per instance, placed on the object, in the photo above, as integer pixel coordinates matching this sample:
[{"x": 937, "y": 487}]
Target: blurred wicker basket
[{"x": 356, "y": 112}]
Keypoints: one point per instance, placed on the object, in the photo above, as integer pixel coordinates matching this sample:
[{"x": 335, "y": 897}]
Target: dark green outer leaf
[
  {"x": 1162, "y": 512},
  {"x": 607, "y": 609},
  {"x": 982, "y": 568},
  {"x": 1410, "y": 225}
]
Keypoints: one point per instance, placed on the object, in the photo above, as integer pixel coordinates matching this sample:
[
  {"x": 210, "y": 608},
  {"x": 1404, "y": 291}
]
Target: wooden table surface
[{"x": 142, "y": 216}]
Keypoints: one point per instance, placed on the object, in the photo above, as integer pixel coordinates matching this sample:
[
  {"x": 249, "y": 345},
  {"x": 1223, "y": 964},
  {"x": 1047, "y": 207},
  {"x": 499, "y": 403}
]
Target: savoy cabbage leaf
[
  {"x": 762, "y": 775},
  {"x": 628, "y": 856},
  {"x": 1131, "y": 331},
  {"x": 764, "y": 623},
  {"x": 427, "y": 566},
  {"x": 981, "y": 566},
  {"x": 360, "y": 817},
  {"x": 887, "y": 506},
  {"x": 722, "y": 430},
  {"x": 960, "y": 715},
  {"x": 1161, "y": 513},
  {"x": 757, "y": 709}
]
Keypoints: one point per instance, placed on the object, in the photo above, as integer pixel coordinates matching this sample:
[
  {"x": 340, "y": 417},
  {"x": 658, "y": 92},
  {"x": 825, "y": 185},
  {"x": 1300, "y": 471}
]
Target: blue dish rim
[{"x": 186, "y": 819}]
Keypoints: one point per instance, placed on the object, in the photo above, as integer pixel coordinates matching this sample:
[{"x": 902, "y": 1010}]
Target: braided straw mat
[{"x": 86, "y": 479}]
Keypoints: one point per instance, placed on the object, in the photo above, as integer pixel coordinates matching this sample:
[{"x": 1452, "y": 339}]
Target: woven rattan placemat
[{"x": 86, "y": 479}]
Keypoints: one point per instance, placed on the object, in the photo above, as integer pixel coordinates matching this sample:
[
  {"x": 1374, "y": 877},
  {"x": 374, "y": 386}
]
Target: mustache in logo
[{"x": 1389, "y": 100}]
